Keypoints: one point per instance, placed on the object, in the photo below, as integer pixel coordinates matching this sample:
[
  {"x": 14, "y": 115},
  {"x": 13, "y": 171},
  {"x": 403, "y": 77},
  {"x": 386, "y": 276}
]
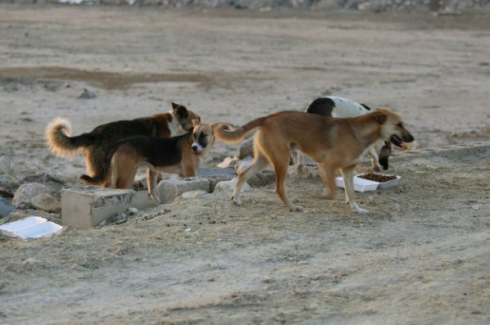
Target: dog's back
[{"x": 335, "y": 106}]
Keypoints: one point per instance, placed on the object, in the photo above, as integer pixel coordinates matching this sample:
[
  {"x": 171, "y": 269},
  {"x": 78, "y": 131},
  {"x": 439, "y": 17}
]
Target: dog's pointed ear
[
  {"x": 213, "y": 126},
  {"x": 379, "y": 116},
  {"x": 195, "y": 123},
  {"x": 180, "y": 110}
]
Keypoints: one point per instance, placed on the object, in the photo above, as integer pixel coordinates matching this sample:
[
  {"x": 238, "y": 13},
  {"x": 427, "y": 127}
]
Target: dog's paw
[
  {"x": 296, "y": 208},
  {"x": 358, "y": 209},
  {"x": 362, "y": 211},
  {"x": 327, "y": 197},
  {"x": 236, "y": 201}
]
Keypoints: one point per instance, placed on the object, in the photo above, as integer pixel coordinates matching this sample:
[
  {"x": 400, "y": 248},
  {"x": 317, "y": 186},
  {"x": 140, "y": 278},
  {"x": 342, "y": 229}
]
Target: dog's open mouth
[{"x": 396, "y": 141}]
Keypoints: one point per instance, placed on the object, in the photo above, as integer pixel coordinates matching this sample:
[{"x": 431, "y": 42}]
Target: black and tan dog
[
  {"x": 96, "y": 143},
  {"x": 334, "y": 143},
  {"x": 179, "y": 155}
]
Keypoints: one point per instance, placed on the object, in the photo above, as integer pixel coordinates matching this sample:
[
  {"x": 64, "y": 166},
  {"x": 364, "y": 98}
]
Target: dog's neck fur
[
  {"x": 174, "y": 125},
  {"x": 369, "y": 135}
]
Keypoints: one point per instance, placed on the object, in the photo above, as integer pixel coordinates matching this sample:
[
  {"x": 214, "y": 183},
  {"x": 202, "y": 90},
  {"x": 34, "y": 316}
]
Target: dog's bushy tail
[
  {"x": 59, "y": 140},
  {"x": 225, "y": 132}
]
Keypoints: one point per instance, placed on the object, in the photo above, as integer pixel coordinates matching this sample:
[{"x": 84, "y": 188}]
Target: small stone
[
  {"x": 30, "y": 260},
  {"x": 5, "y": 207},
  {"x": 133, "y": 211},
  {"x": 46, "y": 202},
  {"x": 25, "y": 193},
  {"x": 228, "y": 186},
  {"x": 87, "y": 94},
  {"x": 193, "y": 194}
]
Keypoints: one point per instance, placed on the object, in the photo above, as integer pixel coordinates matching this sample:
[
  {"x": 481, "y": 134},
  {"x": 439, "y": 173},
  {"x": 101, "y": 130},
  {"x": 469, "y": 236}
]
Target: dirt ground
[{"x": 421, "y": 257}]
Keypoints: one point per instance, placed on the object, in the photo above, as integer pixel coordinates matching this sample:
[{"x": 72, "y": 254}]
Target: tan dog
[
  {"x": 334, "y": 143},
  {"x": 180, "y": 155},
  {"x": 96, "y": 143}
]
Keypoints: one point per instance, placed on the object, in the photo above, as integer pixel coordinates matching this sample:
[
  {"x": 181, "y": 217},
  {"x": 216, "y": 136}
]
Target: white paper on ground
[{"x": 30, "y": 227}]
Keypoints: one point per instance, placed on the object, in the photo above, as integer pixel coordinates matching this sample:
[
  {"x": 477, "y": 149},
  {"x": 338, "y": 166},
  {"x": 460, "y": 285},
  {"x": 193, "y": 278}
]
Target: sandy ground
[{"x": 421, "y": 257}]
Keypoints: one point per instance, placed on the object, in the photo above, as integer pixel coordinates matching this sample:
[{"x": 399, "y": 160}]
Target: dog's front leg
[
  {"x": 328, "y": 176},
  {"x": 348, "y": 177},
  {"x": 256, "y": 166},
  {"x": 151, "y": 178},
  {"x": 372, "y": 152}
]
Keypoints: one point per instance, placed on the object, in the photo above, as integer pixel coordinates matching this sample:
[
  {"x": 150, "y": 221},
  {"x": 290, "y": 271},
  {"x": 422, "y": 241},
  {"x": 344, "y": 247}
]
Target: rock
[
  {"x": 8, "y": 186},
  {"x": 169, "y": 189},
  {"x": 5, "y": 208},
  {"x": 46, "y": 202},
  {"x": 246, "y": 149},
  {"x": 193, "y": 194},
  {"x": 25, "y": 193},
  {"x": 132, "y": 211},
  {"x": 54, "y": 182},
  {"x": 229, "y": 186},
  {"x": 5, "y": 167},
  {"x": 87, "y": 94}
]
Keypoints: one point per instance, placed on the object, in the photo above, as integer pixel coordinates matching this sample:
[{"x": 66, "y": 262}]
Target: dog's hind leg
[
  {"x": 328, "y": 175},
  {"x": 152, "y": 180},
  {"x": 259, "y": 163},
  {"x": 348, "y": 177},
  {"x": 281, "y": 170},
  {"x": 124, "y": 169}
]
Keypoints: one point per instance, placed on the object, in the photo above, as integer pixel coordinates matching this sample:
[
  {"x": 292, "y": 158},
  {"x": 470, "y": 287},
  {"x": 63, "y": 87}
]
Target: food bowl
[{"x": 365, "y": 185}]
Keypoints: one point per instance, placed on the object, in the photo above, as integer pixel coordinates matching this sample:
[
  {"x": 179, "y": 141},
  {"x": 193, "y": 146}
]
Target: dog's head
[
  {"x": 391, "y": 127},
  {"x": 202, "y": 137},
  {"x": 185, "y": 116}
]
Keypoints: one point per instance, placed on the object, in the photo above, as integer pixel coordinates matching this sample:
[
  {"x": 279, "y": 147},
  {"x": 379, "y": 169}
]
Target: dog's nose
[
  {"x": 194, "y": 148},
  {"x": 408, "y": 138}
]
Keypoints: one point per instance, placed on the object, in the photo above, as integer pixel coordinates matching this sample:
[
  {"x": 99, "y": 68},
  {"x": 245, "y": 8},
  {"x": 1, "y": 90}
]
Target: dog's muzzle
[
  {"x": 397, "y": 141},
  {"x": 197, "y": 148}
]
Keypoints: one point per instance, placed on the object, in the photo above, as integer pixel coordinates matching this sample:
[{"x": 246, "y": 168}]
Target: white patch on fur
[
  {"x": 175, "y": 127},
  {"x": 347, "y": 108},
  {"x": 198, "y": 145}
]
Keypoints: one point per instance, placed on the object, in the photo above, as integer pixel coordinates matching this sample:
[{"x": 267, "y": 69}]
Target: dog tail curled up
[
  {"x": 59, "y": 140},
  {"x": 224, "y": 132}
]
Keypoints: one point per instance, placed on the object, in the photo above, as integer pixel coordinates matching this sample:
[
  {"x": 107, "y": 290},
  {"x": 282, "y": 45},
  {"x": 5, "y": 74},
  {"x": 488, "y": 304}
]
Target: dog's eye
[{"x": 400, "y": 125}]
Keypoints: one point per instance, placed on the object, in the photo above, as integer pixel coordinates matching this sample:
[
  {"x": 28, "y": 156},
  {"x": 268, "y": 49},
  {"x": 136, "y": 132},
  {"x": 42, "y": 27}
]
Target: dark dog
[
  {"x": 180, "y": 155},
  {"x": 96, "y": 143}
]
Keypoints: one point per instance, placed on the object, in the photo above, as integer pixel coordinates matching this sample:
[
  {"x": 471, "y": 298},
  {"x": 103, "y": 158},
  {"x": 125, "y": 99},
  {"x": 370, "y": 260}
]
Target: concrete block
[
  {"x": 169, "y": 189},
  {"x": 217, "y": 175},
  {"x": 83, "y": 209}
]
